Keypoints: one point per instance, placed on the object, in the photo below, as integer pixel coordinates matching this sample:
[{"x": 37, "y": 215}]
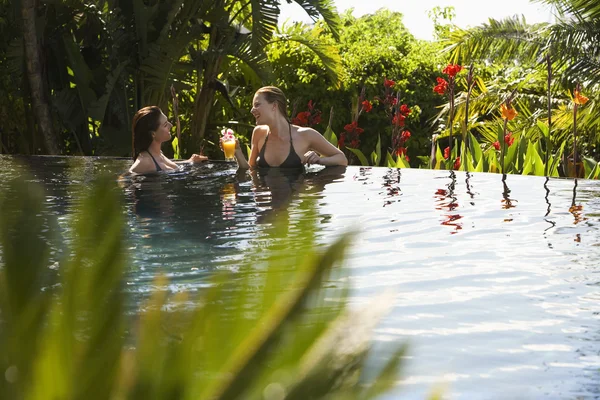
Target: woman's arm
[
  {"x": 239, "y": 154},
  {"x": 328, "y": 154},
  {"x": 195, "y": 158}
]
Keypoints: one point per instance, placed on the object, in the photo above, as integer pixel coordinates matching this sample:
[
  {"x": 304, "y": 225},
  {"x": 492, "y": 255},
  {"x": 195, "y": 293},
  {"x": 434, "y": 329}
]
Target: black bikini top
[
  {"x": 292, "y": 160},
  {"x": 158, "y": 168}
]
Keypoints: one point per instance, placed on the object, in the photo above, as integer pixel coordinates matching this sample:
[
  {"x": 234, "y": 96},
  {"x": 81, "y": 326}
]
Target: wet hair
[
  {"x": 275, "y": 95},
  {"x": 145, "y": 121}
]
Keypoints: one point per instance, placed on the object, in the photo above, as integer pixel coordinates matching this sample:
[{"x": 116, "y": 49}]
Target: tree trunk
[
  {"x": 41, "y": 108},
  {"x": 206, "y": 94}
]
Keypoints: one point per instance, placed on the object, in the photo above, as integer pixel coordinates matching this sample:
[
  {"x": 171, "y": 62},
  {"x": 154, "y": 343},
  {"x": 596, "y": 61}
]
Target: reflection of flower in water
[
  {"x": 228, "y": 198},
  {"x": 391, "y": 183},
  {"x": 446, "y": 200},
  {"x": 507, "y": 202},
  {"x": 576, "y": 210}
]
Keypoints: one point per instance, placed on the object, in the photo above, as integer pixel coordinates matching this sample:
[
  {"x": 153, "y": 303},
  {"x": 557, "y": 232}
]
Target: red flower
[
  {"x": 353, "y": 127},
  {"x": 400, "y": 151},
  {"x": 311, "y": 106},
  {"x": 404, "y": 109},
  {"x": 342, "y": 140},
  {"x": 447, "y": 152},
  {"x": 457, "y": 163},
  {"x": 301, "y": 118},
  {"x": 407, "y": 158},
  {"x": 367, "y": 106},
  {"x": 508, "y": 139},
  {"x": 452, "y": 69},
  {"x": 388, "y": 83},
  {"x": 355, "y": 143},
  {"x": 441, "y": 87},
  {"x": 316, "y": 119},
  {"x": 405, "y": 136},
  {"x": 496, "y": 145},
  {"x": 398, "y": 120}
]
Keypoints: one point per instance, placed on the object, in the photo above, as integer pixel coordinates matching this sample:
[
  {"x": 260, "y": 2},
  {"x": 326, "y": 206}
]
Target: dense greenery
[
  {"x": 541, "y": 64},
  {"x": 94, "y": 63},
  {"x": 372, "y": 48},
  {"x": 103, "y": 59},
  {"x": 278, "y": 329}
]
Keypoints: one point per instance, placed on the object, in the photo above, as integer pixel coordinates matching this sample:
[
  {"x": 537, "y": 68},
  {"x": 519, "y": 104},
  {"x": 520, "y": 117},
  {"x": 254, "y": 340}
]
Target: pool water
[{"x": 496, "y": 278}]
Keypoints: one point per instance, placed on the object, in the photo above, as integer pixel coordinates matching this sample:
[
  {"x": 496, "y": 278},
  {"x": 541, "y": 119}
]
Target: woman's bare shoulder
[
  {"x": 142, "y": 165},
  {"x": 260, "y": 130},
  {"x": 306, "y": 131}
]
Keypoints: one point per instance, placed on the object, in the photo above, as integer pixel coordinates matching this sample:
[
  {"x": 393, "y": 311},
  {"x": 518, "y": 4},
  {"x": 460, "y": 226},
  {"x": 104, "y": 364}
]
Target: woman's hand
[
  {"x": 197, "y": 158},
  {"x": 311, "y": 157}
]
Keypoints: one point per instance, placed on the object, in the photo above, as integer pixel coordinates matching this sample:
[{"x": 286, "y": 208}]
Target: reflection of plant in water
[
  {"x": 576, "y": 209},
  {"x": 272, "y": 331},
  {"x": 391, "y": 183},
  {"x": 507, "y": 202},
  {"x": 446, "y": 200}
]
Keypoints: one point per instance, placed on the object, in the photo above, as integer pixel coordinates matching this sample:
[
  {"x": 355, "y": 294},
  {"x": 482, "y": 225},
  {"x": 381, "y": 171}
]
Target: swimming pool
[{"x": 496, "y": 280}]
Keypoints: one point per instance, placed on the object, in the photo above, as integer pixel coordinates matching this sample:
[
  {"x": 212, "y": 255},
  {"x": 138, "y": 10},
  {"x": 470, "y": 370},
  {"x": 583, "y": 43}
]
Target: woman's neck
[
  {"x": 154, "y": 148},
  {"x": 280, "y": 127}
]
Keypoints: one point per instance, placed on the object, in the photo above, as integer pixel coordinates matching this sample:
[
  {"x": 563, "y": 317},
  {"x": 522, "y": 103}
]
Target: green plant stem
[
  {"x": 575, "y": 139},
  {"x": 503, "y": 145},
  {"x": 451, "y": 122},
  {"x": 548, "y": 141}
]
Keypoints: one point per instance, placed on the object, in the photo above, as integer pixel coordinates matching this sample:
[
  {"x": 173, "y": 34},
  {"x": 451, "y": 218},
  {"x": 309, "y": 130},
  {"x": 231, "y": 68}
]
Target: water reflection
[
  {"x": 507, "y": 202},
  {"x": 548, "y": 209},
  {"x": 469, "y": 187},
  {"x": 446, "y": 200},
  {"x": 391, "y": 184},
  {"x": 576, "y": 210}
]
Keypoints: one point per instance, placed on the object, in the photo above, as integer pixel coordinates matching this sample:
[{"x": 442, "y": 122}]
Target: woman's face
[
  {"x": 263, "y": 111},
  {"x": 163, "y": 132}
]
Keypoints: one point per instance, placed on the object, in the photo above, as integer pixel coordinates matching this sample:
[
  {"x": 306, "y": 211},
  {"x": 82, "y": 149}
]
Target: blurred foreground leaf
[{"x": 277, "y": 330}]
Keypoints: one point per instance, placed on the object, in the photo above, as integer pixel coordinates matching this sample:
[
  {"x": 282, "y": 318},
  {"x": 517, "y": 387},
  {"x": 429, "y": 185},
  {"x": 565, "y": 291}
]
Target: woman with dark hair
[
  {"x": 278, "y": 143},
  {"x": 150, "y": 128}
]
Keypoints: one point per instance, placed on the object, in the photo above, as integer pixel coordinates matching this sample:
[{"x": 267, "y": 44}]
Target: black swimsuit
[
  {"x": 158, "y": 168},
  {"x": 292, "y": 160}
]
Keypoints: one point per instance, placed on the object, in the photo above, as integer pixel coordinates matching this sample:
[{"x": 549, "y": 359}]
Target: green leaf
[
  {"x": 439, "y": 157},
  {"x": 533, "y": 164},
  {"x": 361, "y": 157},
  {"x": 376, "y": 155},
  {"x": 389, "y": 161},
  {"x": 543, "y": 128},
  {"x": 401, "y": 162},
  {"x": 330, "y": 136}
]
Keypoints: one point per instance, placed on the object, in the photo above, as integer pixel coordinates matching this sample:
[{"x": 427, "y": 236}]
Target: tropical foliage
[
  {"x": 100, "y": 61},
  {"x": 545, "y": 63}
]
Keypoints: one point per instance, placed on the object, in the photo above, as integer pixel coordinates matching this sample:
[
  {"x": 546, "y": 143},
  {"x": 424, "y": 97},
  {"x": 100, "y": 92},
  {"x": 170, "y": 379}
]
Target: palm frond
[
  {"x": 499, "y": 40},
  {"x": 264, "y": 21},
  {"x": 582, "y": 9},
  {"x": 325, "y": 9},
  {"x": 328, "y": 54}
]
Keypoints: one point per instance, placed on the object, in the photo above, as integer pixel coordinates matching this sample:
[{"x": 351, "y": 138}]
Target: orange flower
[
  {"x": 508, "y": 113},
  {"x": 579, "y": 98}
]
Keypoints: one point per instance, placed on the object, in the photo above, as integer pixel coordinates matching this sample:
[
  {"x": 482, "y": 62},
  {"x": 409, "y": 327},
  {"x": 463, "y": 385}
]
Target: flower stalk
[
  {"x": 548, "y": 141},
  {"x": 578, "y": 100},
  {"x": 508, "y": 114},
  {"x": 470, "y": 84}
]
